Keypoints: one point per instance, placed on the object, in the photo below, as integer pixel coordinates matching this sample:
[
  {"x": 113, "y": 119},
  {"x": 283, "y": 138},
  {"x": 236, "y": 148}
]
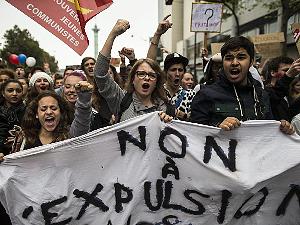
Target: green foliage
[
  {"x": 289, "y": 6},
  {"x": 237, "y": 6},
  {"x": 19, "y": 41}
]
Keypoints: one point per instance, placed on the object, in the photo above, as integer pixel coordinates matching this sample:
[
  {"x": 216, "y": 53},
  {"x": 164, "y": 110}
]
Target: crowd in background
[{"x": 38, "y": 107}]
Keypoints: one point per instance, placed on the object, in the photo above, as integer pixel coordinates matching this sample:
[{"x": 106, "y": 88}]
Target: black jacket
[
  {"x": 282, "y": 89},
  {"x": 279, "y": 106},
  {"x": 8, "y": 118},
  {"x": 215, "y": 102}
]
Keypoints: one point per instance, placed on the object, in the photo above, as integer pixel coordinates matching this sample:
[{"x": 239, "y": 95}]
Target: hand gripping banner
[{"x": 164, "y": 173}]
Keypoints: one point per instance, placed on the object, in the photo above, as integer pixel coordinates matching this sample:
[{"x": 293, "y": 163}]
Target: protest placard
[
  {"x": 268, "y": 45},
  {"x": 146, "y": 170},
  {"x": 206, "y": 17},
  {"x": 65, "y": 19},
  {"x": 268, "y": 38},
  {"x": 216, "y": 47}
]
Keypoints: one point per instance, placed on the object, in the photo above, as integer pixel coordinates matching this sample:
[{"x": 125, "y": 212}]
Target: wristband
[{"x": 154, "y": 43}]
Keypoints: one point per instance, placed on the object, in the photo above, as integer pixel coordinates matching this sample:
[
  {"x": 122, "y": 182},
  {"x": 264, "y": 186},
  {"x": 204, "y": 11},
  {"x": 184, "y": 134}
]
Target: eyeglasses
[
  {"x": 143, "y": 74},
  {"x": 87, "y": 64}
]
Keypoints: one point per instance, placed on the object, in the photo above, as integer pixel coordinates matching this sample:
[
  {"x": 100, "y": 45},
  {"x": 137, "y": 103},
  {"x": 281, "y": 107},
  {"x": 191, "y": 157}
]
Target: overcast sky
[{"x": 142, "y": 15}]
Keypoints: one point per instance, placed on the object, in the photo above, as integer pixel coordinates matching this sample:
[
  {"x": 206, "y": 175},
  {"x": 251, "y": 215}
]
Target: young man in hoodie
[{"x": 236, "y": 96}]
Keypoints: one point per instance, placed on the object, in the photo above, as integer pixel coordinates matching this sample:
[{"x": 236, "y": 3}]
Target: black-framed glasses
[{"x": 143, "y": 74}]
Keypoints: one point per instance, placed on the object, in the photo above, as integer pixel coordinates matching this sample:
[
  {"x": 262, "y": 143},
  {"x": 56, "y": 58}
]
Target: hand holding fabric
[
  {"x": 286, "y": 127},
  {"x": 165, "y": 117},
  {"x": 230, "y": 123}
]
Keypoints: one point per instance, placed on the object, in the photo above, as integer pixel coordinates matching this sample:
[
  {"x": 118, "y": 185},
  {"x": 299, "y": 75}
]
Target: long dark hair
[
  {"x": 159, "y": 91},
  {"x": 3, "y": 86},
  {"x": 31, "y": 125}
]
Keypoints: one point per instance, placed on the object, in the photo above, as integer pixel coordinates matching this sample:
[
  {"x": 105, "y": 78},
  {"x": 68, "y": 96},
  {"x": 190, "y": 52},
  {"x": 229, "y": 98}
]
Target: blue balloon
[{"x": 22, "y": 58}]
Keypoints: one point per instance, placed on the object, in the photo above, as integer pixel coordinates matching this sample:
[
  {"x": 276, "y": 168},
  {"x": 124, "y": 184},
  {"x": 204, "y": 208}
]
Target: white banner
[{"x": 147, "y": 170}]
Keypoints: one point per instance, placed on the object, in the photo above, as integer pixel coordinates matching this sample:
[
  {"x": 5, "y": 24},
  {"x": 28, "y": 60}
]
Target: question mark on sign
[{"x": 212, "y": 13}]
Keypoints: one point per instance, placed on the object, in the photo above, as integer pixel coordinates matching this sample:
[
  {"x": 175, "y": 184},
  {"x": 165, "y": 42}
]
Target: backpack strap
[
  {"x": 125, "y": 103},
  {"x": 180, "y": 98}
]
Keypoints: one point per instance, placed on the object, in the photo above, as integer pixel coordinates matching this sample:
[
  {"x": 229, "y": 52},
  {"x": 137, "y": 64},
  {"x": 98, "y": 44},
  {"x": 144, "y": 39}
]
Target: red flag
[
  {"x": 66, "y": 19},
  {"x": 87, "y": 9}
]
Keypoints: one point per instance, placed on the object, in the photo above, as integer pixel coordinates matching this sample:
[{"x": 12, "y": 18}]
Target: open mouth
[
  {"x": 145, "y": 86},
  {"x": 176, "y": 81},
  {"x": 235, "y": 71},
  {"x": 43, "y": 88},
  {"x": 49, "y": 121},
  {"x": 73, "y": 95},
  {"x": 189, "y": 86}
]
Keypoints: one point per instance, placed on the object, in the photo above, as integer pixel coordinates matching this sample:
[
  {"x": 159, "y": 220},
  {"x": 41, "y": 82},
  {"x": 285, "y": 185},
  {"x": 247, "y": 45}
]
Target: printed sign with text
[{"x": 206, "y": 17}]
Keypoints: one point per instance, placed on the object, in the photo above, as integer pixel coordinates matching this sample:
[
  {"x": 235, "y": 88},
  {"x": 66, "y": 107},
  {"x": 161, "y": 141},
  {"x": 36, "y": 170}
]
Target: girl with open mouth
[
  {"x": 48, "y": 118},
  {"x": 39, "y": 82},
  {"x": 144, "y": 92}
]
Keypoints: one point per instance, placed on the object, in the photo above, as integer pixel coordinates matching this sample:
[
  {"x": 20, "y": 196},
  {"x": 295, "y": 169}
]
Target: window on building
[
  {"x": 252, "y": 32},
  {"x": 293, "y": 19},
  {"x": 270, "y": 28}
]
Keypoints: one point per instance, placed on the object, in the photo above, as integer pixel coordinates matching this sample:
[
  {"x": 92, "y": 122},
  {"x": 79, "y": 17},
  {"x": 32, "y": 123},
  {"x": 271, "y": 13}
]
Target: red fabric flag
[{"x": 66, "y": 19}]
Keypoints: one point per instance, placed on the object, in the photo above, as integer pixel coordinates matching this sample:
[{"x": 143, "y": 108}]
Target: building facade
[{"x": 256, "y": 20}]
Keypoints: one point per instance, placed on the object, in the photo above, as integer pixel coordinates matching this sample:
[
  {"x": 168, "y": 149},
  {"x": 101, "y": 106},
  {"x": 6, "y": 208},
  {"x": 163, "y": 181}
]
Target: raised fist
[
  {"x": 84, "y": 86},
  {"x": 120, "y": 27},
  {"x": 128, "y": 52}
]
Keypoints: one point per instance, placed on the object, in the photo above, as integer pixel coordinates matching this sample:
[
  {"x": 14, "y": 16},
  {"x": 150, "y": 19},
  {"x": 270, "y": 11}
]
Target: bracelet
[{"x": 154, "y": 43}]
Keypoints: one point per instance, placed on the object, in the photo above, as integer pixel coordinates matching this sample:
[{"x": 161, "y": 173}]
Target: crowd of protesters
[{"x": 38, "y": 108}]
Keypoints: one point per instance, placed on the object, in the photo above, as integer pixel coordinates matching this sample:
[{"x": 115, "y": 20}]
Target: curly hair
[
  {"x": 31, "y": 125},
  {"x": 159, "y": 91}
]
